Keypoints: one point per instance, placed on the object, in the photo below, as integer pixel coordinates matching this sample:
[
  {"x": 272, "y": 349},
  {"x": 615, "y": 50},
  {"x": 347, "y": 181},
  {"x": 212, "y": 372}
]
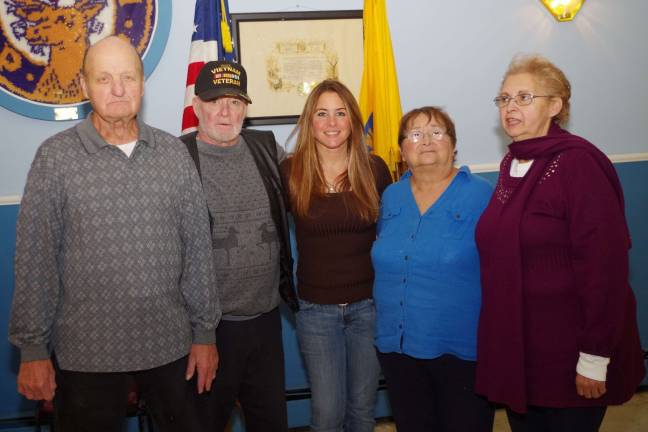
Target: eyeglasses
[
  {"x": 521, "y": 99},
  {"x": 417, "y": 135}
]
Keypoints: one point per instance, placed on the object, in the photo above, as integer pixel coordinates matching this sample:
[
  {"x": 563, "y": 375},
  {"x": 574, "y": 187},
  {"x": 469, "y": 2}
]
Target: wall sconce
[{"x": 563, "y": 10}]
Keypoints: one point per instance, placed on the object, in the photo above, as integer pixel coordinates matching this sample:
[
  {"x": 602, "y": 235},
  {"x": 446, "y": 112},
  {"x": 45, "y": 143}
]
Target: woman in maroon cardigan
[{"x": 558, "y": 338}]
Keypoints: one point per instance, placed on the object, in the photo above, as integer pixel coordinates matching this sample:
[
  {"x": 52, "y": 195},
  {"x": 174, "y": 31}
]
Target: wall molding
[
  {"x": 481, "y": 168},
  {"x": 617, "y": 158},
  {"x": 476, "y": 168},
  {"x": 10, "y": 200},
  {"x": 629, "y": 157}
]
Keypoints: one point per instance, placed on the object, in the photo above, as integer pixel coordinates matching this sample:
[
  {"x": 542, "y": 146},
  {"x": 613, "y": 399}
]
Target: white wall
[{"x": 451, "y": 54}]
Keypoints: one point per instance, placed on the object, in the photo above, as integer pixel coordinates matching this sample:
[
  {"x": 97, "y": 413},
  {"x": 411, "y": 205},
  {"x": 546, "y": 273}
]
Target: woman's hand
[{"x": 589, "y": 388}]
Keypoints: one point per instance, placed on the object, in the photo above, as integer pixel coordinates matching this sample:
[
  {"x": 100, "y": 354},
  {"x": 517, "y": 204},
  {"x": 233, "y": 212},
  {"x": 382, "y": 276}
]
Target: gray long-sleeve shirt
[{"x": 113, "y": 266}]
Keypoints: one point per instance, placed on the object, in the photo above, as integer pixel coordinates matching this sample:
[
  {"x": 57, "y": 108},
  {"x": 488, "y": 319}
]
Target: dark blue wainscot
[{"x": 15, "y": 411}]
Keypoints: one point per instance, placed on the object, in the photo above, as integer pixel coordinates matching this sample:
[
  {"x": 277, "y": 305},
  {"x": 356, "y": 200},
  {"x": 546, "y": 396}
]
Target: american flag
[{"x": 211, "y": 40}]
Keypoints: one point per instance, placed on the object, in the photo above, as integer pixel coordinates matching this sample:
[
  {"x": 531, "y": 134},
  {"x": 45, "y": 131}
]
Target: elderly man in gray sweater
[
  {"x": 114, "y": 275},
  {"x": 250, "y": 236}
]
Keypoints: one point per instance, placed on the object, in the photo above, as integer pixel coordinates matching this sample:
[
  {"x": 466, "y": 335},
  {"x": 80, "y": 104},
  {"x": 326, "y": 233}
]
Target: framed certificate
[{"x": 286, "y": 54}]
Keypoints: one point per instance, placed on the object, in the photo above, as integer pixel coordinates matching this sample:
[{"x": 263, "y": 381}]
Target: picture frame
[{"x": 285, "y": 54}]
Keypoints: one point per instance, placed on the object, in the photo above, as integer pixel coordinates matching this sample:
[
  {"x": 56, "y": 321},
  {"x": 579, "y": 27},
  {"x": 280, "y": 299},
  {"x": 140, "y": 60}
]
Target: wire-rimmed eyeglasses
[
  {"x": 521, "y": 99},
  {"x": 418, "y": 135}
]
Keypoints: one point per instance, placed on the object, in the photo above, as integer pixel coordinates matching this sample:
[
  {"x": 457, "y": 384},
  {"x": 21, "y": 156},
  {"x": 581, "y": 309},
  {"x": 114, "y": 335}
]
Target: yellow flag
[
  {"x": 379, "y": 96},
  {"x": 226, "y": 34}
]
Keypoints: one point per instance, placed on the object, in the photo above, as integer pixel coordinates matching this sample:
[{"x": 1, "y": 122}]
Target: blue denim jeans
[{"x": 336, "y": 342}]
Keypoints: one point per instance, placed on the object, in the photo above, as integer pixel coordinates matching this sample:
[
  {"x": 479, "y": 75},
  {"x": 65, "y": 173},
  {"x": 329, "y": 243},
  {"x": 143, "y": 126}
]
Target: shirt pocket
[
  {"x": 388, "y": 214},
  {"x": 458, "y": 224}
]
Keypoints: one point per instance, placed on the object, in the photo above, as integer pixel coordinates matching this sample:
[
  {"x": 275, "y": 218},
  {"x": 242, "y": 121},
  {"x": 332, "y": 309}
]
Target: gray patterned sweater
[
  {"x": 113, "y": 267},
  {"x": 245, "y": 241}
]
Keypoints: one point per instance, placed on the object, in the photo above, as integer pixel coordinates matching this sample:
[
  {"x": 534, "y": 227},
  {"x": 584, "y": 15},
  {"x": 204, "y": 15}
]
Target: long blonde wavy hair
[{"x": 306, "y": 174}]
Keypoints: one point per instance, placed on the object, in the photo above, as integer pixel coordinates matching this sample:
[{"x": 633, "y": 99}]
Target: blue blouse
[{"x": 427, "y": 289}]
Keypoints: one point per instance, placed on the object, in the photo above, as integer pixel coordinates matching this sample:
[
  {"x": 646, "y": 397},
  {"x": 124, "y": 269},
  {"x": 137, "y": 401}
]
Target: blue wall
[
  {"x": 10, "y": 404},
  {"x": 633, "y": 175},
  {"x": 451, "y": 54}
]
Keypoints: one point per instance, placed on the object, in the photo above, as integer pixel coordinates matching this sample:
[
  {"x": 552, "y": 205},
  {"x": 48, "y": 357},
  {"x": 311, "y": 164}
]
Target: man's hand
[
  {"x": 589, "y": 388},
  {"x": 204, "y": 359},
  {"x": 36, "y": 380}
]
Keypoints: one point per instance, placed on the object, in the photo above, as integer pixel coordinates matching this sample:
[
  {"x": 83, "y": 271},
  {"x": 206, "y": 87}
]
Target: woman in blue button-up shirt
[{"x": 427, "y": 291}]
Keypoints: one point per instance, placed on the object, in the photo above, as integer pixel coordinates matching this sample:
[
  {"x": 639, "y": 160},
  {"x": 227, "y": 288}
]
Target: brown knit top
[{"x": 333, "y": 246}]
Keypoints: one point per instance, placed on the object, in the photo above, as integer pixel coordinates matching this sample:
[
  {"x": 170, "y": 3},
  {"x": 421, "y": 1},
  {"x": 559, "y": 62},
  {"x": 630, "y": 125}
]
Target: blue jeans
[{"x": 336, "y": 342}]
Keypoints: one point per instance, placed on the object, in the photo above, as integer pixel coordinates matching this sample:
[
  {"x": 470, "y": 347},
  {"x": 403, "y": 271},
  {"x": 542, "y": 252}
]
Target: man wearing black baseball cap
[
  {"x": 221, "y": 78},
  {"x": 240, "y": 176}
]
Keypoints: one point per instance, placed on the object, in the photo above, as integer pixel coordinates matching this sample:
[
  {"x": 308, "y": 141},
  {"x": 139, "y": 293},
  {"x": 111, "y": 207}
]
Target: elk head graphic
[{"x": 65, "y": 31}]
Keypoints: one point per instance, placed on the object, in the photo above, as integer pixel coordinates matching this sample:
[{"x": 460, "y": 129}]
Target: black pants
[
  {"x": 97, "y": 402},
  {"x": 434, "y": 395},
  {"x": 538, "y": 419},
  {"x": 251, "y": 370}
]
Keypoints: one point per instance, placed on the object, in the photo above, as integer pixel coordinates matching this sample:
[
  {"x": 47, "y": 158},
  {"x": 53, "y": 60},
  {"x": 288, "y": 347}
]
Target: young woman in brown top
[{"x": 334, "y": 187}]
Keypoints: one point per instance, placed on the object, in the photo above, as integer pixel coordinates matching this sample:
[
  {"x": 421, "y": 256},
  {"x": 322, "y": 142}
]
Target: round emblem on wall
[{"x": 42, "y": 43}]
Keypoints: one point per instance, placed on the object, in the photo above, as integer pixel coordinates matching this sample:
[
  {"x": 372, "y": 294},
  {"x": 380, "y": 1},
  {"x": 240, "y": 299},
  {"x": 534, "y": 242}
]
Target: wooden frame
[{"x": 285, "y": 54}]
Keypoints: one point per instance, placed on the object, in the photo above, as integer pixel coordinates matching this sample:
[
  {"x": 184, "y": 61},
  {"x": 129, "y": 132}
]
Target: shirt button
[
  {"x": 401, "y": 303},
  {"x": 404, "y": 280},
  {"x": 400, "y": 326},
  {"x": 406, "y": 257}
]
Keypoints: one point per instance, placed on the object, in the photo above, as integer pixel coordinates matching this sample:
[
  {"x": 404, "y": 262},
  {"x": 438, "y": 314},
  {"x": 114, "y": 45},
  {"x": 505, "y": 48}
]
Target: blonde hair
[
  {"x": 550, "y": 78},
  {"x": 306, "y": 174}
]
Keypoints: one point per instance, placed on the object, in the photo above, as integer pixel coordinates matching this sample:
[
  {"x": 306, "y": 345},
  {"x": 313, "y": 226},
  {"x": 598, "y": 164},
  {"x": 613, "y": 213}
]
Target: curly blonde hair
[{"x": 548, "y": 76}]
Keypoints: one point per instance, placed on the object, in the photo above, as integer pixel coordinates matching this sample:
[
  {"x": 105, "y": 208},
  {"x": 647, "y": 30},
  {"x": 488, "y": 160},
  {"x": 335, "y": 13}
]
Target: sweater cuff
[
  {"x": 592, "y": 366},
  {"x": 204, "y": 337},
  {"x": 34, "y": 352}
]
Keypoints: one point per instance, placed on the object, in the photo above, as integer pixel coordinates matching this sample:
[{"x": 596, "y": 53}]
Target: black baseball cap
[{"x": 221, "y": 78}]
